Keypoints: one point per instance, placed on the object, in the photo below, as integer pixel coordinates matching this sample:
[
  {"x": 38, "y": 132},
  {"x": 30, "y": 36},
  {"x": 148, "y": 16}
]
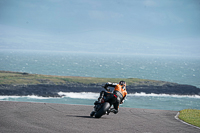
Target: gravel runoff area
[{"x": 26, "y": 117}]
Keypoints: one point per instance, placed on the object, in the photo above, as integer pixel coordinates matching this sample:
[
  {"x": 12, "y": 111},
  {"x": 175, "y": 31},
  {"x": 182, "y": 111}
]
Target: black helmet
[{"x": 122, "y": 83}]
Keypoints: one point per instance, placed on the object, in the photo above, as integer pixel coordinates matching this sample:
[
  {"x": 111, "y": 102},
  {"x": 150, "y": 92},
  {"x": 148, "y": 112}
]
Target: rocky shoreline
[{"x": 50, "y": 90}]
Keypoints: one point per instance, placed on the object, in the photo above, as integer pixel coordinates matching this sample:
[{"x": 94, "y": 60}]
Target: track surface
[{"x": 24, "y": 117}]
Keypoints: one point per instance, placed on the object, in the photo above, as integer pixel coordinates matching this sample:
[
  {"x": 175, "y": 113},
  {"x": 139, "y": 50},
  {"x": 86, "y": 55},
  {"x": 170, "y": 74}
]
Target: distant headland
[{"x": 22, "y": 84}]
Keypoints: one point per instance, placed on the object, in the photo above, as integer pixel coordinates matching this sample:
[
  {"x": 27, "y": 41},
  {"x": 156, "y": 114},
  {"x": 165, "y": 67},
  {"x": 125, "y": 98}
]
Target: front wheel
[{"x": 102, "y": 110}]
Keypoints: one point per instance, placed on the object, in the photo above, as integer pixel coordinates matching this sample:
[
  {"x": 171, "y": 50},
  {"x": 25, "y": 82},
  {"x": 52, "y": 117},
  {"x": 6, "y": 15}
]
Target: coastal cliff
[
  {"x": 21, "y": 84},
  {"x": 52, "y": 90}
]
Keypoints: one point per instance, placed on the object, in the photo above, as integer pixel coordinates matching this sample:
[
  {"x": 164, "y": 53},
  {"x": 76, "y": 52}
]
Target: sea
[{"x": 177, "y": 69}]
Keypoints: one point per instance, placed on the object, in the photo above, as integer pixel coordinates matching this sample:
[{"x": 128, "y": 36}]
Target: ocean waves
[
  {"x": 136, "y": 100},
  {"x": 17, "y": 97},
  {"x": 164, "y": 95},
  {"x": 91, "y": 95},
  {"x": 80, "y": 95}
]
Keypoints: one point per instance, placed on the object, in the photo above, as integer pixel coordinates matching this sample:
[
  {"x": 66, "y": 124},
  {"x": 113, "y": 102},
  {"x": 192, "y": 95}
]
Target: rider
[{"x": 119, "y": 91}]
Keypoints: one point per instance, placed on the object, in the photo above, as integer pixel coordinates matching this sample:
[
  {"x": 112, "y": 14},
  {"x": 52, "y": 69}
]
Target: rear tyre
[
  {"x": 103, "y": 110},
  {"x": 92, "y": 113}
]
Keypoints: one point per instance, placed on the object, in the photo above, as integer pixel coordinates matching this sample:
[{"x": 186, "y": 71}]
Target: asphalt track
[{"x": 24, "y": 117}]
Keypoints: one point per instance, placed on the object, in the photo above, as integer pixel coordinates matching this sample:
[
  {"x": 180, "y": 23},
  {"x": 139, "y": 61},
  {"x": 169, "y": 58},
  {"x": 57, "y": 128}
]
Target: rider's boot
[{"x": 115, "y": 111}]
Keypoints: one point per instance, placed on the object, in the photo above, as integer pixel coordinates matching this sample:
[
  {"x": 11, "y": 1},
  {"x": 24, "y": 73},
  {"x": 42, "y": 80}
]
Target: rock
[{"x": 51, "y": 90}]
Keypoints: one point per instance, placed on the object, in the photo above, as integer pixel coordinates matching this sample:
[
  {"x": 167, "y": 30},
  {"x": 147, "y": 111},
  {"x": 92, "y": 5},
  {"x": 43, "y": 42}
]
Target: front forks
[{"x": 96, "y": 108}]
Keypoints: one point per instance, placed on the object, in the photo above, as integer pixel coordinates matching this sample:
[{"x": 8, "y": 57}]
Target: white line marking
[{"x": 176, "y": 117}]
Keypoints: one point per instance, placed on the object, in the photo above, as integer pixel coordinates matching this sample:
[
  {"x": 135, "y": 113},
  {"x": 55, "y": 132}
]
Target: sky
[{"x": 159, "y": 27}]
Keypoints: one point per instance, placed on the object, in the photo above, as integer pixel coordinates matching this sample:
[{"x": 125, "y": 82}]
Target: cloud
[{"x": 113, "y": 23}]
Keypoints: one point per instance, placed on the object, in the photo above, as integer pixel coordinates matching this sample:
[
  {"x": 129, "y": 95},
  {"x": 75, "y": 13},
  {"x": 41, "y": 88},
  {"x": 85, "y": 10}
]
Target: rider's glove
[
  {"x": 107, "y": 84},
  {"x": 122, "y": 101}
]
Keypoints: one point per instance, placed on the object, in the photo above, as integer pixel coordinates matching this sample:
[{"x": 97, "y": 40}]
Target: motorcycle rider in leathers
[{"x": 119, "y": 91}]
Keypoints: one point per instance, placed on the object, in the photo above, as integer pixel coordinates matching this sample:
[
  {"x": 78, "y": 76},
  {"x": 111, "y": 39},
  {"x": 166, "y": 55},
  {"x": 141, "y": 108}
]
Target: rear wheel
[
  {"x": 92, "y": 113},
  {"x": 103, "y": 110}
]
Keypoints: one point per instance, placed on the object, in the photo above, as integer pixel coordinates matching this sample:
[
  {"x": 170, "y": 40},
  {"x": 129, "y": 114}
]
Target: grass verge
[
  {"x": 191, "y": 116},
  {"x": 7, "y": 77}
]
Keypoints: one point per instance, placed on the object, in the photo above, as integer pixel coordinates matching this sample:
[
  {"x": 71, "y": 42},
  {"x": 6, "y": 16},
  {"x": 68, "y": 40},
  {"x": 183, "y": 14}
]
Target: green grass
[
  {"x": 191, "y": 116},
  {"x": 7, "y": 77}
]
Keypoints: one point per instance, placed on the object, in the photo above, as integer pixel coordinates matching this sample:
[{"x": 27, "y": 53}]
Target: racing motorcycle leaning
[{"x": 104, "y": 107}]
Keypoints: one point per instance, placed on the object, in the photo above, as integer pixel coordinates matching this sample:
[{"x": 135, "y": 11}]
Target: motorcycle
[{"x": 104, "y": 107}]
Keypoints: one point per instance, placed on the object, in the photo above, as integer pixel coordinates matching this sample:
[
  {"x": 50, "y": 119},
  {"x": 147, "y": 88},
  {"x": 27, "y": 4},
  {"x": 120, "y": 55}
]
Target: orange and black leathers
[
  {"x": 121, "y": 93},
  {"x": 121, "y": 89}
]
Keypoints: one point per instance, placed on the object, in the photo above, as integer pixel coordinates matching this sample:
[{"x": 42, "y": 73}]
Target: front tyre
[{"x": 102, "y": 110}]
